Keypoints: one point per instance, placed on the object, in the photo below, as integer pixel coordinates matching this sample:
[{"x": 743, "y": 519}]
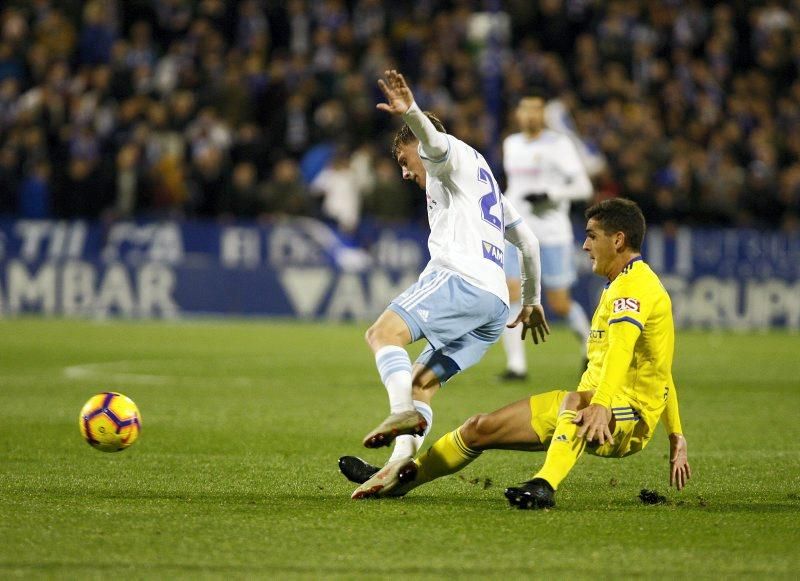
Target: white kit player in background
[
  {"x": 460, "y": 303},
  {"x": 544, "y": 174}
]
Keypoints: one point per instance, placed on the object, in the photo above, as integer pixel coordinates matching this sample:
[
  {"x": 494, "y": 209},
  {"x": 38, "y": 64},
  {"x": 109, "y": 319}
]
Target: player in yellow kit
[{"x": 625, "y": 391}]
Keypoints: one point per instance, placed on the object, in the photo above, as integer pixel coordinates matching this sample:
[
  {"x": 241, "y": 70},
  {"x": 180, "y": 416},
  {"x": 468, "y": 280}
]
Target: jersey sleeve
[
  {"x": 630, "y": 307},
  {"x": 443, "y": 164},
  {"x": 511, "y": 217},
  {"x": 520, "y": 235},
  {"x": 671, "y": 418},
  {"x": 621, "y": 342}
]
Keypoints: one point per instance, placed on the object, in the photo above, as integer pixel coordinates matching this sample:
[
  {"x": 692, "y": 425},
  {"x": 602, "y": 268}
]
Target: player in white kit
[
  {"x": 544, "y": 174},
  {"x": 460, "y": 303}
]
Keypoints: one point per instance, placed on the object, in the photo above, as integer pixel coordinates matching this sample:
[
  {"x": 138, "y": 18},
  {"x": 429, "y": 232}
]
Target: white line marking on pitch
[{"x": 106, "y": 371}]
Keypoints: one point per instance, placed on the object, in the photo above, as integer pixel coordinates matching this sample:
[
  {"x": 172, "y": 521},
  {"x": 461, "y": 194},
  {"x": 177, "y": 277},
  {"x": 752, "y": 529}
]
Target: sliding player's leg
[
  {"x": 508, "y": 428},
  {"x": 563, "y": 452},
  {"x": 524, "y": 425}
]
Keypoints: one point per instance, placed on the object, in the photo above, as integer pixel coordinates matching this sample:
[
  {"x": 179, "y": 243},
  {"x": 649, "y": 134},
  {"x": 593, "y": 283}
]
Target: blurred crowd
[{"x": 258, "y": 108}]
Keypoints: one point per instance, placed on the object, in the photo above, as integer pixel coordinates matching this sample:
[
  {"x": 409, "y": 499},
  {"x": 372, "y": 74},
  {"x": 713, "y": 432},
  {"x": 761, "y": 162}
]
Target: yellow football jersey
[{"x": 640, "y": 367}]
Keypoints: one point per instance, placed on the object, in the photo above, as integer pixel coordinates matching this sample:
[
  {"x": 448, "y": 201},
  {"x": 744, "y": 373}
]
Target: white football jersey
[
  {"x": 549, "y": 164},
  {"x": 465, "y": 212}
]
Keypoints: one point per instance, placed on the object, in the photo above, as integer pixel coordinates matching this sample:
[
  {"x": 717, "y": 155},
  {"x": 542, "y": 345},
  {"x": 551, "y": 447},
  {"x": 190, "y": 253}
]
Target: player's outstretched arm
[
  {"x": 398, "y": 95},
  {"x": 671, "y": 416},
  {"x": 679, "y": 470},
  {"x": 400, "y": 101},
  {"x": 532, "y": 314}
]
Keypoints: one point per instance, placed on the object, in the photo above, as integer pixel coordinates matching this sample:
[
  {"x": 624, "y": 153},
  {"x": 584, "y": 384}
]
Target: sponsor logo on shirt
[
  {"x": 423, "y": 314},
  {"x": 493, "y": 253},
  {"x": 626, "y": 304},
  {"x": 596, "y": 333}
]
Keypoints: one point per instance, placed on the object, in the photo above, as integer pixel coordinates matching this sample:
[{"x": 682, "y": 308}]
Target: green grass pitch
[{"x": 235, "y": 472}]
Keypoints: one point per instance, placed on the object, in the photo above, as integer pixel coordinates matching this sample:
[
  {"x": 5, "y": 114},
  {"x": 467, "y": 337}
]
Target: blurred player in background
[
  {"x": 545, "y": 174},
  {"x": 460, "y": 303},
  {"x": 625, "y": 391}
]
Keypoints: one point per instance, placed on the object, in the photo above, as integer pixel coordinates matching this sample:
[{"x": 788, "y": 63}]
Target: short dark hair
[
  {"x": 620, "y": 215},
  {"x": 405, "y": 135}
]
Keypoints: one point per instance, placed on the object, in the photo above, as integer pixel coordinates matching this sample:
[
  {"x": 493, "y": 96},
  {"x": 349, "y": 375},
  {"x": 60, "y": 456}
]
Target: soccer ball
[{"x": 110, "y": 421}]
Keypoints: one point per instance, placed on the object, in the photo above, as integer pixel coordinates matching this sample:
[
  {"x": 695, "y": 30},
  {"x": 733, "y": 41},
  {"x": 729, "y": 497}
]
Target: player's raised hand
[
  {"x": 532, "y": 317},
  {"x": 398, "y": 96},
  {"x": 679, "y": 469},
  {"x": 594, "y": 420}
]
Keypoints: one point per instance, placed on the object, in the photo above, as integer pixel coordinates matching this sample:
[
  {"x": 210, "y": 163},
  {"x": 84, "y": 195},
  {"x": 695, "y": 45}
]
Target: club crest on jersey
[
  {"x": 493, "y": 253},
  {"x": 626, "y": 304}
]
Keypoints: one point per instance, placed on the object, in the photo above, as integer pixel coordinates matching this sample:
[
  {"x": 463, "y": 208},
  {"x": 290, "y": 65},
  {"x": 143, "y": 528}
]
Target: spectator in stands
[
  {"x": 285, "y": 194},
  {"x": 695, "y": 105},
  {"x": 35, "y": 199},
  {"x": 240, "y": 196},
  {"x": 9, "y": 180},
  {"x": 389, "y": 200},
  {"x": 127, "y": 197},
  {"x": 338, "y": 188}
]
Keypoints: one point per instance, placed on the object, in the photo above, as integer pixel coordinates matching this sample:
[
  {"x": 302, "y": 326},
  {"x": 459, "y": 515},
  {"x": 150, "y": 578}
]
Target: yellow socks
[
  {"x": 565, "y": 449},
  {"x": 448, "y": 454}
]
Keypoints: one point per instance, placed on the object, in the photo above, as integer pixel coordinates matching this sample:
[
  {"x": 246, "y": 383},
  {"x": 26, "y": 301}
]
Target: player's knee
[
  {"x": 373, "y": 335},
  {"x": 478, "y": 430}
]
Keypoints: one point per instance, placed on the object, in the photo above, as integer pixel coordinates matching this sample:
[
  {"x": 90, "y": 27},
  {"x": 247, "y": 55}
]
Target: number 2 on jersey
[{"x": 490, "y": 200}]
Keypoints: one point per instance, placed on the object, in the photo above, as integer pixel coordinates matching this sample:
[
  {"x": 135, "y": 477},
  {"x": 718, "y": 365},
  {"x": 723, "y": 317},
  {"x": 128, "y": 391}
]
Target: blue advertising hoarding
[{"x": 300, "y": 268}]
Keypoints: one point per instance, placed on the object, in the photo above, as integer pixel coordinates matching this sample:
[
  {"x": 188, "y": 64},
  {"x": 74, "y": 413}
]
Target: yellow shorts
[
  {"x": 544, "y": 413},
  {"x": 631, "y": 432}
]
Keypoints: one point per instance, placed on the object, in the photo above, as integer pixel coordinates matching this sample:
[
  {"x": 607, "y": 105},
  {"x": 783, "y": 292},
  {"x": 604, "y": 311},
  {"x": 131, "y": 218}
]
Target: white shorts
[{"x": 459, "y": 321}]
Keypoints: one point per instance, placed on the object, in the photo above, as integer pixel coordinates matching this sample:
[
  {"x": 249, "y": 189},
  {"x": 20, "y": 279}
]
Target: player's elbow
[{"x": 525, "y": 240}]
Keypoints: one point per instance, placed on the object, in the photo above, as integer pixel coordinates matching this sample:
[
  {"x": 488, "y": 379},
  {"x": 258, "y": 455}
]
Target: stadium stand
[{"x": 112, "y": 109}]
